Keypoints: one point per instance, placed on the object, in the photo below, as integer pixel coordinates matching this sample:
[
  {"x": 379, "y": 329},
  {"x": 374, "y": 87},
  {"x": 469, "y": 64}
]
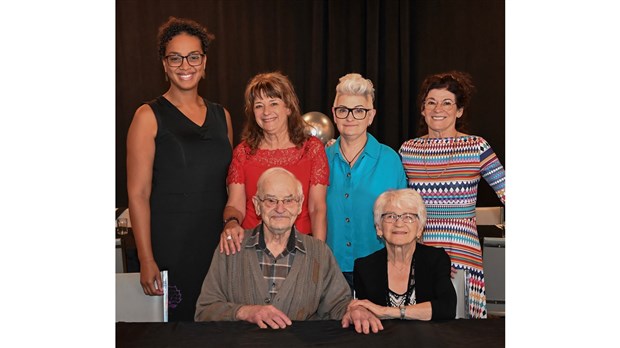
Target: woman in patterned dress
[
  {"x": 274, "y": 136},
  {"x": 445, "y": 166}
]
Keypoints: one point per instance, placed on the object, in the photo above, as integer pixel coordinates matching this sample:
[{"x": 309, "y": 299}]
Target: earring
[
  {"x": 204, "y": 74},
  {"x": 165, "y": 76}
]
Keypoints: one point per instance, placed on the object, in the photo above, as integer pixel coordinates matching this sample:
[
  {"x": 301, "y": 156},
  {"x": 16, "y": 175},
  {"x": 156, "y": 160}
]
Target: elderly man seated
[{"x": 279, "y": 275}]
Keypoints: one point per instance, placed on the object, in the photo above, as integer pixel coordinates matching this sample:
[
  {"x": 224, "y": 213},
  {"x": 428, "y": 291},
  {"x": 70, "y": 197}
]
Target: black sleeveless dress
[{"x": 187, "y": 199}]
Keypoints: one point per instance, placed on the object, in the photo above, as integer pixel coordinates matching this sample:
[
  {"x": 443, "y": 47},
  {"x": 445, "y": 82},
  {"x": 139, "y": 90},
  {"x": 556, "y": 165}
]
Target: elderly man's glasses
[
  {"x": 446, "y": 104},
  {"x": 193, "y": 59},
  {"x": 271, "y": 202},
  {"x": 407, "y": 218},
  {"x": 343, "y": 112}
]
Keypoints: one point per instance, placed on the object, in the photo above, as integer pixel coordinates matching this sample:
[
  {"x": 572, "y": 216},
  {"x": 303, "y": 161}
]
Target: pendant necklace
[
  {"x": 452, "y": 152},
  {"x": 396, "y": 300},
  {"x": 354, "y": 157}
]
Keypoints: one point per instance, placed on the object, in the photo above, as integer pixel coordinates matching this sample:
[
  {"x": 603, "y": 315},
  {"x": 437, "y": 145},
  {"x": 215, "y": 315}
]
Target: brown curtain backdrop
[{"x": 395, "y": 43}]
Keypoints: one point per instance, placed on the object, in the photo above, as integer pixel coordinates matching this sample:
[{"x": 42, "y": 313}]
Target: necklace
[
  {"x": 398, "y": 300},
  {"x": 354, "y": 157},
  {"x": 452, "y": 153}
]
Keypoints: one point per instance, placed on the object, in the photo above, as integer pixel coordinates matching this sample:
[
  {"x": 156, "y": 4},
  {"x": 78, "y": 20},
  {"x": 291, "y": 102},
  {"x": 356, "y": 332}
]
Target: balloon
[{"x": 319, "y": 125}]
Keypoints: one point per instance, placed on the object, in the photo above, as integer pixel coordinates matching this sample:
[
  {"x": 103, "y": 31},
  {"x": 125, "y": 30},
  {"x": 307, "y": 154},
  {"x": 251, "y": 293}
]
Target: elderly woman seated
[{"x": 405, "y": 280}]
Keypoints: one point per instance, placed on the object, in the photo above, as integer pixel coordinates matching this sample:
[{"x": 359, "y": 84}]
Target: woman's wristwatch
[
  {"x": 402, "y": 312},
  {"x": 232, "y": 218}
]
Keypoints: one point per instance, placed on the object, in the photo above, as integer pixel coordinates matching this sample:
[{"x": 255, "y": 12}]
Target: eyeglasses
[
  {"x": 446, "y": 104},
  {"x": 271, "y": 202},
  {"x": 407, "y": 218},
  {"x": 343, "y": 112},
  {"x": 193, "y": 59}
]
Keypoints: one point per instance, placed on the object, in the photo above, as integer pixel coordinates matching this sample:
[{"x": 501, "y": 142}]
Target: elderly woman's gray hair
[
  {"x": 403, "y": 198},
  {"x": 355, "y": 84}
]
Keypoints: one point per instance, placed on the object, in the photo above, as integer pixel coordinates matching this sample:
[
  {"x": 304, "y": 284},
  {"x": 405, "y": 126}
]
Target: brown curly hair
[
  {"x": 272, "y": 85},
  {"x": 458, "y": 82},
  {"x": 175, "y": 26}
]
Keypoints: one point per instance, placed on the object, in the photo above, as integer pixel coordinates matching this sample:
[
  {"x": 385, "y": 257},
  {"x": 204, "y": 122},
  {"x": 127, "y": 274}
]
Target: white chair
[
  {"x": 462, "y": 295},
  {"x": 489, "y": 215},
  {"x": 132, "y": 305}
]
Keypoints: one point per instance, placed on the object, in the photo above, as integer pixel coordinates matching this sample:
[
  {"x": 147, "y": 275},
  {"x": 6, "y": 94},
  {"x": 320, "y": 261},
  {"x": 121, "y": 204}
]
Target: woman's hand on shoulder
[{"x": 231, "y": 237}]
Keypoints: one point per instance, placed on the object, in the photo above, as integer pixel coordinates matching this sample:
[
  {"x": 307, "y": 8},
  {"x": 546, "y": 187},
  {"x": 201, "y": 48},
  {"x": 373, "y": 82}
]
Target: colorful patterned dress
[{"x": 446, "y": 173}]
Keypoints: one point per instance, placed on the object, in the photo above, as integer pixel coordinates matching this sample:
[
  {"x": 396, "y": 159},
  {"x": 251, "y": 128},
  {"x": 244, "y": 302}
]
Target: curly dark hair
[
  {"x": 272, "y": 85},
  {"x": 458, "y": 82},
  {"x": 175, "y": 26}
]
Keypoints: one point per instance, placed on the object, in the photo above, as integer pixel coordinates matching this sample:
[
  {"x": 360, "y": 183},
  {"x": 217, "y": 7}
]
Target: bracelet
[
  {"x": 232, "y": 218},
  {"x": 402, "y": 313}
]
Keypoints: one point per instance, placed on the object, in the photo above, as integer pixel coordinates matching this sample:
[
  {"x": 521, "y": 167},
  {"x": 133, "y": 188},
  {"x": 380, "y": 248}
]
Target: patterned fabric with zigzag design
[{"x": 446, "y": 173}]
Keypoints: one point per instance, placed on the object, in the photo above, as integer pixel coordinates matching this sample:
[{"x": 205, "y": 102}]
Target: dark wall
[{"x": 394, "y": 43}]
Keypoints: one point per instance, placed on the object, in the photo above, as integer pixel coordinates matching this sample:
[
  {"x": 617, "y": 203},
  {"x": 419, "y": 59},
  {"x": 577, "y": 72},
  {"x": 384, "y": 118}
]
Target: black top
[
  {"x": 187, "y": 199},
  {"x": 432, "y": 279}
]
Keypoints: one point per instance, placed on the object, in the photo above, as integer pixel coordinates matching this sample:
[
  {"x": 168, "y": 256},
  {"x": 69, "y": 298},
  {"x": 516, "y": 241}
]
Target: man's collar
[{"x": 257, "y": 239}]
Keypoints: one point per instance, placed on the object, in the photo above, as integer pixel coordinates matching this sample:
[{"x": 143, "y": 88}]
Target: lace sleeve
[
  {"x": 492, "y": 170},
  {"x": 235, "y": 170},
  {"x": 319, "y": 168}
]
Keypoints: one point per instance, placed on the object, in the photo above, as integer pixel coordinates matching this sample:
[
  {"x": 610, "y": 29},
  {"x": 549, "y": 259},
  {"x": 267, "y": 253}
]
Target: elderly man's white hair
[
  {"x": 275, "y": 170},
  {"x": 355, "y": 84}
]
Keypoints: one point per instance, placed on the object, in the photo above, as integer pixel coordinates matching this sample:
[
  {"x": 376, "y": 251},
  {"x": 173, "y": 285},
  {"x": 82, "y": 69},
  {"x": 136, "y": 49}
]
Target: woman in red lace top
[{"x": 274, "y": 136}]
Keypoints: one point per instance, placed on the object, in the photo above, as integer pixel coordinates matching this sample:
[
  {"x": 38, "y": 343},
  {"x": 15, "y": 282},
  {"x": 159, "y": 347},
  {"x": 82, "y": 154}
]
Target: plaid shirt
[{"x": 275, "y": 268}]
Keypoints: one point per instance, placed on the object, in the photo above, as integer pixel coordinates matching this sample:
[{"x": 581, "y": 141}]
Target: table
[{"x": 461, "y": 333}]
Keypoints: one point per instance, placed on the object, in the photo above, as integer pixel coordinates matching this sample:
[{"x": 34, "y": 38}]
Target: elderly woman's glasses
[
  {"x": 407, "y": 218},
  {"x": 343, "y": 112},
  {"x": 193, "y": 59},
  {"x": 446, "y": 104},
  {"x": 271, "y": 202}
]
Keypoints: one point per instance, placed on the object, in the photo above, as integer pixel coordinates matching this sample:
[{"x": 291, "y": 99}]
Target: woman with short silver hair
[
  {"x": 360, "y": 169},
  {"x": 405, "y": 280}
]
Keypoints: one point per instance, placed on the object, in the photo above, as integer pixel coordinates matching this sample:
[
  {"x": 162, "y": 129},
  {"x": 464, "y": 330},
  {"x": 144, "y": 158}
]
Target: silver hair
[
  {"x": 403, "y": 198},
  {"x": 259, "y": 185},
  {"x": 355, "y": 84}
]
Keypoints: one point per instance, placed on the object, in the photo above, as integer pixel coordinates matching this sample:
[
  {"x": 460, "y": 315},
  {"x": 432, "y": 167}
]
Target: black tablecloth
[{"x": 451, "y": 333}]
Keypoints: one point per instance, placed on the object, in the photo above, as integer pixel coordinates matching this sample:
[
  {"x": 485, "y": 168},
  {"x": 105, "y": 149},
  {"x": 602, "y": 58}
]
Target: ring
[{"x": 228, "y": 238}]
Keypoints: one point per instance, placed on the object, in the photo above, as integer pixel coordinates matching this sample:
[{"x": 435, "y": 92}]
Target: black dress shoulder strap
[
  {"x": 218, "y": 111},
  {"x": 157, "y": 105}
]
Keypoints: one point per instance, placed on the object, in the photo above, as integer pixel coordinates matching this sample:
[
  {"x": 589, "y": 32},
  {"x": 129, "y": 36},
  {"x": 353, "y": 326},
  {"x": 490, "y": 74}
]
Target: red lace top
[{"x": 308, "y": 163}]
